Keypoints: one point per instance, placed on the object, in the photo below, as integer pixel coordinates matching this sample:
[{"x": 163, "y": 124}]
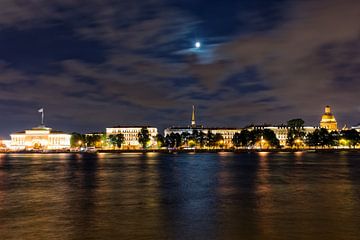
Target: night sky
[{"x": 97, "y": 63}]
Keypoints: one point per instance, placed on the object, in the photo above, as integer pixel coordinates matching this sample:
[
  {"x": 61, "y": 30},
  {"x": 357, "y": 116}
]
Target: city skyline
[
  {"x": 193, "y": 122},
  {"x": 147, "y": 62}
]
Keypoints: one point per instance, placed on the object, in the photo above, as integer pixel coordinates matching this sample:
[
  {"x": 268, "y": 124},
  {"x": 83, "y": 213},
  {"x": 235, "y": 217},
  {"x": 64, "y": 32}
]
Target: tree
[
  {"x": 296, "y": 123},
  {"x": 270, "y": 137},
  {"x": 219, "y": 140},
  {"x": 335, "y": 135},
  {"x": 321, "y": 137},
  {"x": 173, "y": 140},
  {"x": 160, "y": 140},
  {"x": 104, "y": 140},
  {"x": 210, "y": 139},
  {"x": 77, "y": 139},
  {"x": 185, "y": 137},
  {"x": 199, "y": 137},
  {"x": 295, "y": 131},
  {"x": 236, "y": 141},
  {"x": 92, "y": 139},
  {"x": 255, "y": 136},
  {"x": 313, "y": 139},
  {"x": 192, "y": 139},
  {"x": 325, "y": 138},
  {"x": 352, "y": 137},
  {"x": 144, "y": 137},
  {"x": 242, "y": 139},
  {"x": 117, "y": 140},
  {"x": 169, "y": 141}
]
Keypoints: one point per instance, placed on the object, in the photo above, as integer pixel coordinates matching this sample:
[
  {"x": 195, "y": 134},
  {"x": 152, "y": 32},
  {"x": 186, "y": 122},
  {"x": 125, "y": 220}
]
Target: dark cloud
[
  {"x": 290, "y": 61},
  {"x": 94, "y": 63}
]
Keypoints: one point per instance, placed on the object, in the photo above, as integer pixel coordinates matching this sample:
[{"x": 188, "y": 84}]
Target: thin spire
[{"x": 193, "y": 123}]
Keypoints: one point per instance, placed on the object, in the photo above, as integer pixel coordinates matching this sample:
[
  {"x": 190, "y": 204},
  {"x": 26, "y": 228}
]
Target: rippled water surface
[{"x": 180, "y": 196}]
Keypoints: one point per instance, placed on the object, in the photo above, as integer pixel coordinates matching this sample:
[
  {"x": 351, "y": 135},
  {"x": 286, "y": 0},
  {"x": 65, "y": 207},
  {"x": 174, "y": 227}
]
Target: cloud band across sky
[{"x": 93, "y": 64}]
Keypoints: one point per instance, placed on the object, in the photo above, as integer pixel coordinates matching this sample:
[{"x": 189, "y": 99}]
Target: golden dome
[
  {"x": 327, "y": 117},
  {"x": 328, "y": 120}
]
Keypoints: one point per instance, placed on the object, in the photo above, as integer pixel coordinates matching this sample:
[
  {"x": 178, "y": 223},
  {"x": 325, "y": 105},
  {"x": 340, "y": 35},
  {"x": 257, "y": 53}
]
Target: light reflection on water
[{"x": 180, "y": 196}]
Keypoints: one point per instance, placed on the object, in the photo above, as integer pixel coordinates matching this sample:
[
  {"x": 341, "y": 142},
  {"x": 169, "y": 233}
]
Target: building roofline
[{"x": 129, "y": 126}]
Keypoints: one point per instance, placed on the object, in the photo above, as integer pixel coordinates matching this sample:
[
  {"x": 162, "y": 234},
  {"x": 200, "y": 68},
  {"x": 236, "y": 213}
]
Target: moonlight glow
[{"x": 197, "y": 44}]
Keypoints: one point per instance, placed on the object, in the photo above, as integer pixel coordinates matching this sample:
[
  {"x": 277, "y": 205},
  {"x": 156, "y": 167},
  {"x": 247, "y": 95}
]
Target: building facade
[
  {"x": 357, "y": 128},
  {"x": 227, "y": 133},
  {"x": 5, "y": 145},
  {"x": 281, "y": 131},
  {"x": 328, "y": 120},
  {"x": 40, "y": 138},
  {"x": 131, "y": 135}
]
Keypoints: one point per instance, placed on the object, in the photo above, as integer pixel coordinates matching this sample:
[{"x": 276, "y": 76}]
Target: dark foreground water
[{"x": 183, "y": 196}]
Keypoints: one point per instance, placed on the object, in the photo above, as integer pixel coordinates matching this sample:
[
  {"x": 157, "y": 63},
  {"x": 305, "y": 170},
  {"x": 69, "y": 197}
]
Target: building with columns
[
  {"x": 40, "y": 138},
  {"x": 328, "y": 120},
  {"x": 131, "y": 135},
  {"x": 281, "y": 131}
]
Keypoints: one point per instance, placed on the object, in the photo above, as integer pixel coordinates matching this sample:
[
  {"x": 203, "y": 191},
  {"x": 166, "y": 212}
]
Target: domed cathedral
[{"x": 328, "y": 120}]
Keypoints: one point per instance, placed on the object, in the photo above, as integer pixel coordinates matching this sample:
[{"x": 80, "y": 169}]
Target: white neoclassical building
[
  {"x": 40, "y": 138},
  {"x": 281, "y": 131},
  {"x": 131, "y": 135}
]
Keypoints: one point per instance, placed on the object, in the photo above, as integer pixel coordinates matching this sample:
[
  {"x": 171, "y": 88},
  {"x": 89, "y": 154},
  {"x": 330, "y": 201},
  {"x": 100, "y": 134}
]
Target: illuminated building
[
  {"x": 40, "y": 138},
  {"x": 328, "y": 120},
  {"x": 357, "y": 128},
  {"x": 227, "y": 133},
  {"x": 131, "y": 135},
  {"x": 5, "y": 144},
  {"x": 281, "y": 131}
]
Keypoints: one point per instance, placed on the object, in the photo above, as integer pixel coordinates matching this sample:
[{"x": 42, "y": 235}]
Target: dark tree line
[
  {"x": 263, "y": 138},
  {"x": 194, "y": 139},
  {"x": 323, "y": 138},
  {"x": 296, "y": 133},
  {"x": 95, "y": 140},
  {"x": 260, "y": 137},
  {"x": 114, "y": 140}
]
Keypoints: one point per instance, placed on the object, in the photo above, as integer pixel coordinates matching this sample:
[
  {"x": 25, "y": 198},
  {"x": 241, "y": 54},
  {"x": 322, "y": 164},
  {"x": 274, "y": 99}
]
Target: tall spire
[{"x": 193, "y": 123}]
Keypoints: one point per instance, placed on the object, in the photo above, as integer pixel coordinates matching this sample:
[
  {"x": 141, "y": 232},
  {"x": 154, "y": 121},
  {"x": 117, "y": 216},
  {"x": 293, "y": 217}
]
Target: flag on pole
[{"x": 41, "y": 110}]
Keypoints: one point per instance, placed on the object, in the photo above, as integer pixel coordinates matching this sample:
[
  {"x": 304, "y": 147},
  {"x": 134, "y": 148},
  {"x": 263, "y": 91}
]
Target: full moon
[{"x": 197, "y": 44}]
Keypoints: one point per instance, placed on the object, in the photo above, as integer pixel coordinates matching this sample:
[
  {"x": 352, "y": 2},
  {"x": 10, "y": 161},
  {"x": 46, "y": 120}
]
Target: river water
[{"x": 180, "y": 196}]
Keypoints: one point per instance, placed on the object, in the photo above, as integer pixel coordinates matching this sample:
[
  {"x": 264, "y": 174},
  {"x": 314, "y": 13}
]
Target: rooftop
[
  {"x": 129, "y": 126},
  {"x": 41, "y": 128}
]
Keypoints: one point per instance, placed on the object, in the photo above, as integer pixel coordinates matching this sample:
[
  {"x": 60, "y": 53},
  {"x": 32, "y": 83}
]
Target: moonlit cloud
[{"x": 92, "y": 64}]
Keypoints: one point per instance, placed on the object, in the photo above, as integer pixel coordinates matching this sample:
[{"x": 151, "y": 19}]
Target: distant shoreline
[{"x": 165, "y": 151}]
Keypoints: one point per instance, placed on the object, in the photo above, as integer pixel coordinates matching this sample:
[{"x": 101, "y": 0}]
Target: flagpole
[{"x": 41, "y": 110}]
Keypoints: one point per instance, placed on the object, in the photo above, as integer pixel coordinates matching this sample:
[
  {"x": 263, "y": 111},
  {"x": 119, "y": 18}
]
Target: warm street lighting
[
  {"x": 262, "y": 142},
  {"x": 344, "y": 142}
]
